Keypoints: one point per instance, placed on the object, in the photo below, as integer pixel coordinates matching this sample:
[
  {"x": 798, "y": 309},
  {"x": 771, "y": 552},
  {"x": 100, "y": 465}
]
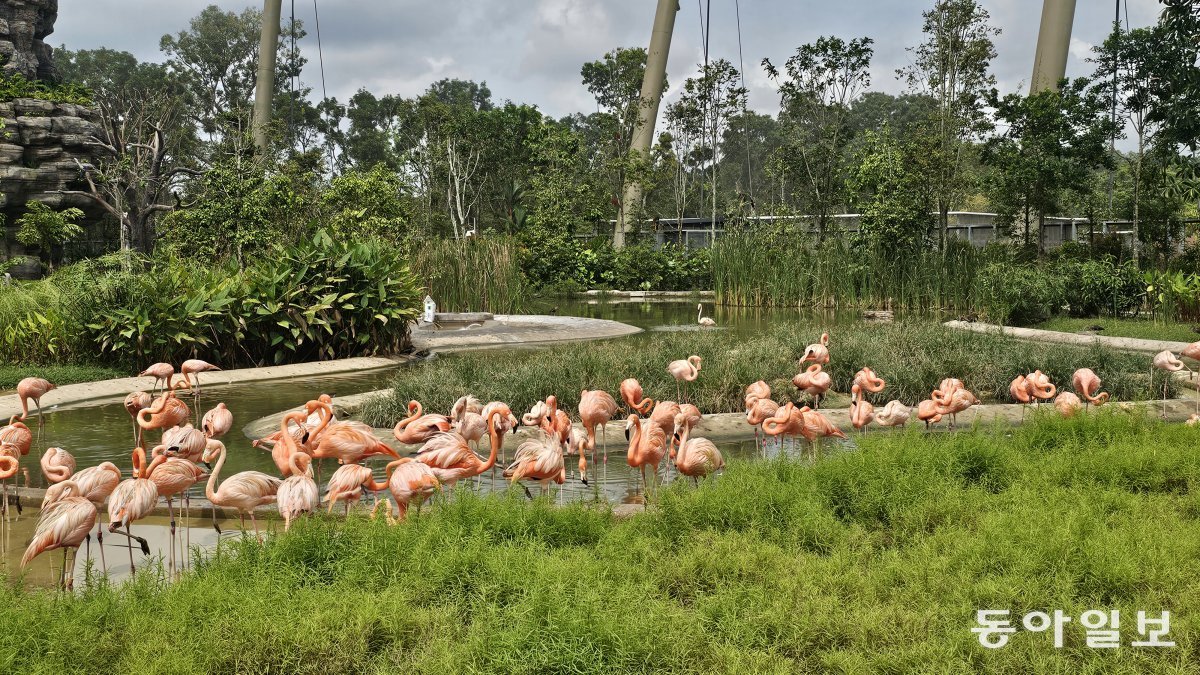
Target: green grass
[
  {"x": 1133, "y": 328},
  {"x": 912, "y": 357},
  {"x": 871, "y": 561},
  {"x": 472, "y": 275},
  {"x": 10, "y": 375}
]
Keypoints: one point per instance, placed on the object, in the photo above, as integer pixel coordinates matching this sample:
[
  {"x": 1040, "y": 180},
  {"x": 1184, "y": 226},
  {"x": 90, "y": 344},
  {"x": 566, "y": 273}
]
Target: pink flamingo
[
  {"x": 17, "y": 434},
  {"x": 244, "y": 491},
  {"x": 958, "y": 401},
  {"x": 814, "y": 382},
  {"x": 408, "y": 480},
  {"x": 596, "y": 409},
  {"x": 172, "y": 476},
  {"x": 346, "y": 485},
  {"x": 762, "y": 410},
  {"x": 894, "y": 414},
  {"x": 452, "y": 460},
  {"x": 861, "y": 410},
  {"x": 186, "y": 441},
  {"x": 1163, "y": 360},
  {"x": 1040, "y": 387},
  {"x": 9, "y": 465},
  {"x": 787, "y": 421},
  {"x": 96, "y": 483},
  {"x": 135, "y": 403},
  {"x": 133, "y": 499},
  {"x": 161, "y": 372},
  {"x": 33, "y": 388},
  {"x": 57, "y": 465},
  {"x": 817, "y": 352},
  {"x": 663, "y": 416},
  {"x": 868, "y": 381},
  {"x": 298, "y": 493},
  {"x": 1068, "y": 404},
  {"x": 66, "y": 522},
  {"x": 647, "y": 445},
  {"x": 684, "y": 370},
  {"x": 166, "y": 411},
  {"x": 217, "y": 422},
  {"x": 946, "y": 389},
  {"x": 755, "y": 392},
  {"x": 465, "y": 404},
  {"x": 818, "y": 426},
  {"x": 697, "y": 457},
  {"x": 1192, "y": 352},
  {"x": 631, "y": 393},
  {"x": 1019, "y": 390},
  {"x": 929, "y": 412},
  {"x": 540, "y": 460},
  {"x": 193, "y": 367},
  {"x": 418, "y": 427},
  {"x": 1086, "y": 382}
]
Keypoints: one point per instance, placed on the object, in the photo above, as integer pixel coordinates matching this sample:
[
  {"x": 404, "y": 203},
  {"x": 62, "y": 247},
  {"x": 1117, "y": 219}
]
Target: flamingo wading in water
[
  {"x": 33, "y": 389},
  {"x": 66, "y": 522}
]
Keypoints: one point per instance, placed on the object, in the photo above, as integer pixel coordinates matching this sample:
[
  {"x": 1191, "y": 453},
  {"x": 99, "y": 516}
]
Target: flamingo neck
[
  {"x": 494, "y": 436},
  {"x": 210, "y": 489}
]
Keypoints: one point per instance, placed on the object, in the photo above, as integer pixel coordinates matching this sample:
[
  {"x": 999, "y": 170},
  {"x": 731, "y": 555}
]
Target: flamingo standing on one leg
[
  {"x": 894, "y": 414},
  {"x": 33, "y": 388},
  {"x": 1019, "y": 390},
  {"x": 298, "y": 494},
  {"x": 408, "y": 480},
  {"x": 133, "y": 499},
  {"x": 787, "y": 421},
  {"x": 631, "y": 393},
  {"x": 684, "y": 370},
  {"x": 959, "y": 400},
  {"x": 134, "y": 403},
  {"x": 647, "y": 446},
  {"x": 1167, "y": 362},
  {"x": 862, "y": 412},
  {"x": 217, "y": 422},
  {"x": 814, "y": 382},
  {"x": 244, "y": 491},
  {"x": 704, "y": 321},
  {"x": 817, "y": 352},
  {"x": 166, "y": 411},
  {"x": 161, "y": 372},
  {"x": 696, "y": 457},
  {"x": 929, "y": 412},
  {"x": 193, "y": 367},
  {"x": 1040, "y": 387},
  {"x": 754, "y": 393},
  {"x": 57, "y": 465},
  {"x": 868, "y": 382},
  {"x": 346, "y": 485},
  {"x": 1086, "y": 383},
  {"x": 66, "y": 522},
  {"x": 762, "y": 410}
]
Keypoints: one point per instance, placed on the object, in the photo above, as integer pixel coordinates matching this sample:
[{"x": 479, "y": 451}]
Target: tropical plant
[{"x": 45, "y": 228}]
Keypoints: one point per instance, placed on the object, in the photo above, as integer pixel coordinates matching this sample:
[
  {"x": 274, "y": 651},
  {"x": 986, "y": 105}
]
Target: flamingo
[
  {"x": 1040, "y": 386},
  {"x": 166, "y": 411},
  {"x": 631, "y": 393},
  {"x": 814, "y": 382},
  {"x": 868, "y": 381},
  {"x": 697, "y": 457},
  {"x": 161, "y": 372},
  {"x": 596, "y": 408},
  {"x": 172, "y": 476},
  {"x": 417, "y": 427},
  {"x": 244, "y": 491},
  {"x": 754, "y": 392},
  {"x": 66, "y": 522},
  {"x": 929, "y": 412},
  {"x": 861, "y": 411},
  {"x": 465, "y": 404},
  {"x": 134, "y": 403},
  {"x": 471, "y": 426},
  {"x": 647, "y": 445},
  {"x": 57, "y": 465},
  {"x": 507, "y": 424},
  {"x": 450, "y": 458},
  {"x": 407, "y": 480},
  {"x": 1086, "y": 382},
  {"x": 1019, "y": 390},
  {"x": 817, "y": 426},
  {"x": 1163, "y": 360},
  {"x": 186, "y": 441},
  {"x": 762, "y": 409},
  {"x": 17, "y": 434},
  {"x": 946, "y": 389},
  {"x": 787, "y": 421},
  {"x": 894, "y": 414},
  {"x": 704, "y": 321},
  {"x": 217, "y": 422},
  {"x": 33, "y": 388},
  {"x": 133, "y": 499},
  {"x": 297, "y": 494},
  {"x": 96, "y": 483},
  {"x": 1192, "y": 352},
  {"x": 684, "y": 370},
  {"x": 1068, "y": 404},
  {"x": 346, "y": 485},
  {"x": 959, "y": 400},
  {"x": 663, "y": 416},
  {"x": 536, "y": 416},
  {"x": 193, "y": 367},
  {"x": 817, "y": 352},
  {"x": 9, "y": 465},
  {"x": 538, "y": 459}
]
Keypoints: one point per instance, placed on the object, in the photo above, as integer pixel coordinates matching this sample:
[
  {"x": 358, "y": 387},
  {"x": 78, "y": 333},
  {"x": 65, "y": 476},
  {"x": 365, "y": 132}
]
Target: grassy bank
[
  {"x": 1133, "y": 328},
  {"x": 912, "y": 357},
  {"x": 10, "y": 375},
  {"x": 870, "y": 561}
]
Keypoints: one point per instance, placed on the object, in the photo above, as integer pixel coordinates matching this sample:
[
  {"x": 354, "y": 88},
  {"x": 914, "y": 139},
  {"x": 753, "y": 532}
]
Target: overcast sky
[{"x": 531, "y": 51}]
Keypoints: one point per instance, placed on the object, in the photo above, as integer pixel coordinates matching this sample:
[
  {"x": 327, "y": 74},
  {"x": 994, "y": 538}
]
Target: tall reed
[{"x": 472, "y": 275}]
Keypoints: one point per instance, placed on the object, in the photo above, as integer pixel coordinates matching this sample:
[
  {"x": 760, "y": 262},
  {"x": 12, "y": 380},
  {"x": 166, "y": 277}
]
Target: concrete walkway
[
  {"x": 507, "y": 330},
  {"x": 1039, "y": 335}
]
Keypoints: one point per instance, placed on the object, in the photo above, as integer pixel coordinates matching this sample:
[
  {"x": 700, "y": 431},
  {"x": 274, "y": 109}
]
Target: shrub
[
  {"x": 1020, "y": 295},
  {"x": 1095, "y": 287}
]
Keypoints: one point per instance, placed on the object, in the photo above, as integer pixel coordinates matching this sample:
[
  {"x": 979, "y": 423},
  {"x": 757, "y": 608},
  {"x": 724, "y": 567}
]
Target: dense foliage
[
  {"x": 18, "y": 86},
  {"x": 872, "y": 560}
]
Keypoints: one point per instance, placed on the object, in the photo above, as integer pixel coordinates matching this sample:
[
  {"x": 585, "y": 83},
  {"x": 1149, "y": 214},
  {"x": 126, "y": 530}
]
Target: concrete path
[
  {"x": 512, "y": 329},
  {"x": 1123, "y": 343}
]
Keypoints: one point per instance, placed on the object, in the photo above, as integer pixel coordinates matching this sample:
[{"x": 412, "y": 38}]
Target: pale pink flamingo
[
  {"x": 172, "y": 476},
  {"x": 1163, "y": 360},
  {"x": 161, "y": 372},
  {"x": 133, "y": 499},
  {"x": 1040, "y": 386},
  {"x": 471, "y": 426},
  {"x": 452, "y": 460},
  {"x": 958, "y": 401},
  {"x": 862, "y": 412},
  {"x": 186, "y": 442},
  {"x": 57, "y": 465},
  {"x": 96, "y": 483},
  {"x": 814, "y": 382},
  {"x": 868, "y": 382},
  {"x": 66, "y": 522},
  {"x": 346, "y": 485},
  {"x": 166, "y": 411},
  {"x": 704, "y": 321},
  {"x": 32, "y": 388},
  {"x": 647, "y": 446},
  {"x": 1086, "y": 383},
  {"x": 135, "y": 403},
  {"x": 596, "y": 409},
  {"x": 538, "y": 459},
  {"x": 465, "y": 404},
  {"x": 418, "y": 427},
  {"x": 631, "y": 393},
  {"x": 408, "y": 480},
  {"x": 696, "y": 457},
  {"x": 217, "y": 422},
  {"x": 817, "y": 352},
  {"x": 244, "y": 491},
  {"x": 684, "y": 370},
  {"x": 193, "y": 367},
  {"x": 894, "y": 414},
  {"x": 755, "y": 392},
  {"x": 929, "y": 412},
  {"x": 1068, "y": 404},
  {"x": 298, "y": 493}
]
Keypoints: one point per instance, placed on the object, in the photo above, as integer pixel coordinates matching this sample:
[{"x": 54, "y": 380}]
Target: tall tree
[
  {"x": 822, "y": 80},
  {"x": 951, "y": 67}
]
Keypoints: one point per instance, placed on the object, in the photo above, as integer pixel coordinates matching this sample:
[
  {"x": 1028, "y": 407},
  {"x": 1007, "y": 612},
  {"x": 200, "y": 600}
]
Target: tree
[
  {"x": 1053, "y": 141},
  {"x": 895, "y": 208},
  {"x": 1128, "y": 64},
  {"x": 46, "y": 228},
  {"x": 823, "y": 79},
  {"x": 1176, "y": 87},
  {"x": 951, "y": 67}
]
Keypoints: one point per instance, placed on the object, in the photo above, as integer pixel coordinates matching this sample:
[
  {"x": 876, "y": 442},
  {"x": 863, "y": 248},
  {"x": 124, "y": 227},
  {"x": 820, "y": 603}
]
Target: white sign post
[{"x": 430, "y": 309}]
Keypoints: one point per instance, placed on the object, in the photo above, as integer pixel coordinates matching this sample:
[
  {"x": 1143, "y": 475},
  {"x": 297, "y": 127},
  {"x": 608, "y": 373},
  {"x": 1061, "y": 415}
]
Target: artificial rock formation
[{"x": 24, "y": 25}]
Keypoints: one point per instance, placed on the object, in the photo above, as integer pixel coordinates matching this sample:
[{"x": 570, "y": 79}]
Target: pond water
[{"x": 104, "y": 432}]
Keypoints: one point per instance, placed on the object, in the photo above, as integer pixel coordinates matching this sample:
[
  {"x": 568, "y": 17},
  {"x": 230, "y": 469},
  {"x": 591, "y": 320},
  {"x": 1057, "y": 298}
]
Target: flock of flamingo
[{"x": 654, "y": 430}]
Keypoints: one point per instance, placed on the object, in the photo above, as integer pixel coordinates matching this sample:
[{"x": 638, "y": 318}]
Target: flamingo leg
[
  {"x": 255, "y": 523},
  {"x": 129, "y": 533},
  {"x": 171, "y": 514},
  {"x": 100, "y": 546}
]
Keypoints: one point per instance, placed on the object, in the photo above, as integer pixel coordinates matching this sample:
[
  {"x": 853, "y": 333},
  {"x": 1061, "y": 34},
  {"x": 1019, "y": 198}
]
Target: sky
[{"x": 530, "y": 51}]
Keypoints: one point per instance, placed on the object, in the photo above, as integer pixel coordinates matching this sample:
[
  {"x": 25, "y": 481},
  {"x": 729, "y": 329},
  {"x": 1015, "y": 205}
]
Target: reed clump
[{"x": 472, "y": 275}]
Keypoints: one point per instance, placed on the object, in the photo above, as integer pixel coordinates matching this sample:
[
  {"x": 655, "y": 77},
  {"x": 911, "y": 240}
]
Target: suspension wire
[
  {"x": 292, "y": 81},
  {"x": 707, "y": 31},
  {"x": 1112, "y": 141},
  {"x": 324, "y": 94},
  {"x": 745, "y": 103},
  {"x": 703, "y": 30}
]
